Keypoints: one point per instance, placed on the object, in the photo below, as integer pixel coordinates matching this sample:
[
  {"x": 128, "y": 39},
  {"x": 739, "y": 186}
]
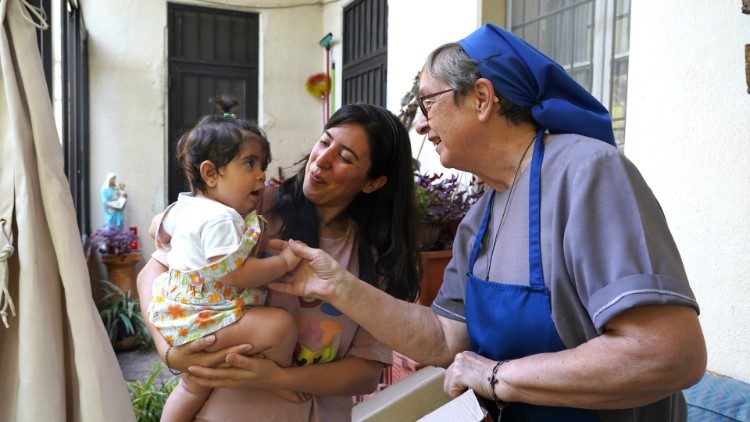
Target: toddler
[{"x": 214, "y": 283}]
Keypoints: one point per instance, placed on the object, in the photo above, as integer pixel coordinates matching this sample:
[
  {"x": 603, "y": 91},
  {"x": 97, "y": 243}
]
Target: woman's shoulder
[{"x": 268, "y": 199}]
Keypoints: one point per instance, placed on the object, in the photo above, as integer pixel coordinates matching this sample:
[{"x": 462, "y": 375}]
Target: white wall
[
  {"x": 128, "y": 94},
  {"x": 415, "y": 28},
  {"x": 688, "y": 131},
  {"x": 333, "y": 22}
]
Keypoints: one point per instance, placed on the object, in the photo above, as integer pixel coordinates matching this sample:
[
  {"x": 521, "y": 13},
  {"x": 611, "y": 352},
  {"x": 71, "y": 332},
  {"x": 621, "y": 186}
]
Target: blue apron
[{"x": 510, "y": 321}]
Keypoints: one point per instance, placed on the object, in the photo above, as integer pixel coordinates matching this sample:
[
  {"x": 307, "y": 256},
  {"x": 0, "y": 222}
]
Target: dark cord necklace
[{"x": 505, "y": 208}]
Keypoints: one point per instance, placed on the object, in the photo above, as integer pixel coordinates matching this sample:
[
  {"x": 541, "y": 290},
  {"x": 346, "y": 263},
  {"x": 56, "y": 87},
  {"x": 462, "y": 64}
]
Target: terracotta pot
[
  {"x": 125, "y": 344},
  {"x": 121, "y": 271},
  {"x": 433, "y": 268},
  {"x": 428, "y": 234}
]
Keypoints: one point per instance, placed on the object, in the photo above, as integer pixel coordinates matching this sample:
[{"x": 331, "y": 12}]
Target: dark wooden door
[
  {"x": 211, "y": 52},
  {"x": 365, "y": 54}
]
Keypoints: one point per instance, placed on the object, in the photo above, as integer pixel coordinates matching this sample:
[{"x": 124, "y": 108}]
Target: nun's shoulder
[
  {"x": 572, "y": 148},
  {"x": 565, "y": 154}
]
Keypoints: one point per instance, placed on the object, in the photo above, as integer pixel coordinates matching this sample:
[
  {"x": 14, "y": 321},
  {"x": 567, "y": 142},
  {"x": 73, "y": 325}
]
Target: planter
[
  {"x": 433, "y": 267},
  {"x": 125, "y": 343},
  {"x": 121, "y": 271},
  {"x": 428, "y": 235}
]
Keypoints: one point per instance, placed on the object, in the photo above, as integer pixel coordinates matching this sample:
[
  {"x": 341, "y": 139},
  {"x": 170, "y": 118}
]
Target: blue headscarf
[{"x": 526, "y": 77}]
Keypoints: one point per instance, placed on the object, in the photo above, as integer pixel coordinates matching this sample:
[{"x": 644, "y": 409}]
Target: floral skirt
[{"x": 181, "y": 316}]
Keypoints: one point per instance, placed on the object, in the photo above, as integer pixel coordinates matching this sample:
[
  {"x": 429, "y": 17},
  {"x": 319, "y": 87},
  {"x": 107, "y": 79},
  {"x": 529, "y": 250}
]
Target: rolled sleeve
[
  {"x": 640, "y": 290},
  {"x": 449, "y": 301},
  {"x": 618, "y": 246}
]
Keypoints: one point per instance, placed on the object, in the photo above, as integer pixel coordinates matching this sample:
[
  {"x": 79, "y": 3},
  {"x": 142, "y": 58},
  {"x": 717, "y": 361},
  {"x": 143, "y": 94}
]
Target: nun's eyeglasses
[{"x": 421, "y": 99}]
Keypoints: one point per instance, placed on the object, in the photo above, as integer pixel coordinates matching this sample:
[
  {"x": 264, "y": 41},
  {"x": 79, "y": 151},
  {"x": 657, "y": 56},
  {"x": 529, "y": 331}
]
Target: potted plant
[
  {"x": 122, "y": 318},
  {"x": 118, "y": 247},
  {"x": 442, "y": 203},
  {"x": 114, "y": 240},
  {"x": 148, "y": 397}
]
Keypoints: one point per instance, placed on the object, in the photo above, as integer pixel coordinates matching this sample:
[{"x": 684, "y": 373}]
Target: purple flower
[
  {"x": 113, "y": 240},
  {"x": 443, "y": 200}
]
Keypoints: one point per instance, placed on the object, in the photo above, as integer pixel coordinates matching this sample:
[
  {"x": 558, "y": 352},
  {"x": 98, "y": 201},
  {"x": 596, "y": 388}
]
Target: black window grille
[
  {"x": 75, "y": 109},
  {"x": 365, "y": 53}
]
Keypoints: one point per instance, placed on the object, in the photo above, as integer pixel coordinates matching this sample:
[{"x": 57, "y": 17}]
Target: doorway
[{"x": 210, "y": 52}]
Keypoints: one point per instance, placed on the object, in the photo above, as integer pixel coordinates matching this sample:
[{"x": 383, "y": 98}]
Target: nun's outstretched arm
[{"x": 408, "y": 328}]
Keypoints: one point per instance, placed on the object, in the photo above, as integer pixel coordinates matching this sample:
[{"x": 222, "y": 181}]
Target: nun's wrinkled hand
[
  {"x": 318, "y": 275},
  {"x": 468, "y": 370}
]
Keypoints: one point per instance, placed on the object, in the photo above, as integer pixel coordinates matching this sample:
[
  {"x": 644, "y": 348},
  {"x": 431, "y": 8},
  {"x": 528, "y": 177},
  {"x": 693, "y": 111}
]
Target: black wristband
[
  {"x": 493, "y": 380},
  {"x": 166, "y": 362}
]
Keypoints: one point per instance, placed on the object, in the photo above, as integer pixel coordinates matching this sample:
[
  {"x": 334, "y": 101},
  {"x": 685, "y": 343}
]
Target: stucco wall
[
  {"x": 415, "y": 28},
  {"x": 688, "y": 129},
  {"x": 128, "y": 90},
  {"x": 127, "y": 51}
]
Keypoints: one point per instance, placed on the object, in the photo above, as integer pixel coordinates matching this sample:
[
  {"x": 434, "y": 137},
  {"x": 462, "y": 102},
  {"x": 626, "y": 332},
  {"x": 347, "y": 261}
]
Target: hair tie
[{"x": 229, "y": 115}]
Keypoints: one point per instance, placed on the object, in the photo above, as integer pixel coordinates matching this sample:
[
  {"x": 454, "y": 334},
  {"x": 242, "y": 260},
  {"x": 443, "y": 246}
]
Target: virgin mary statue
[{"x": 113, "y": 201}]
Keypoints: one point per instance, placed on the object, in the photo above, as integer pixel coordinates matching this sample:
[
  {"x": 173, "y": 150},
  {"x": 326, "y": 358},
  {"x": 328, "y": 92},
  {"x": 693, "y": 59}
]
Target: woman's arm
[
  {"x": 156, "y": 232},
  {"x": 180, "y": 357},
  {"x": 645, "y": 354},
  {"x": 145, "y": 278},
  {"x": 422, "y": 335},
  {"x": 346, "y": 376}
]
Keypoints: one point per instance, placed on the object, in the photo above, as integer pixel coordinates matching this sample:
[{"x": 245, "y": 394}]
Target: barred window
[{"x": 589, "y": 38}]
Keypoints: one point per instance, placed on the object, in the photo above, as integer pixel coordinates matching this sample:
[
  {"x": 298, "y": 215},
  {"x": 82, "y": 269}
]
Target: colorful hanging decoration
[{"x": 318, "y": 85}]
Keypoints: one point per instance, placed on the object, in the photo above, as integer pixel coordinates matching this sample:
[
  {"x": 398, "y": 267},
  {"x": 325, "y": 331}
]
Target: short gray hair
[{"x": 450, "y": 64}]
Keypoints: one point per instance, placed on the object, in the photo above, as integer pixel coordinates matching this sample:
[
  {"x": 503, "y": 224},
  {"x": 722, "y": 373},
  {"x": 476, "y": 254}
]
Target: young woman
[{"x": 354, "y": 199}]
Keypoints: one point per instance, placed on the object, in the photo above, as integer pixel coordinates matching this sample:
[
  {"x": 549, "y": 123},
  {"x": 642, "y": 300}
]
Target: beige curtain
[{"x": 56, "y": 362}]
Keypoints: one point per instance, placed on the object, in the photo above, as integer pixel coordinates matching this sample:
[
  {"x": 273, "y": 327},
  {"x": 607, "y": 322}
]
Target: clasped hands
[
  {"x": 317, "y": 275},
  {"x": 321, "y": 276}
]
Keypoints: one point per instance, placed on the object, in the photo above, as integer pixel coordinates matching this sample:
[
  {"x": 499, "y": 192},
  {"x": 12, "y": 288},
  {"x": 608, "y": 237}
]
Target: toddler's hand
[{"x": 290, "y": 258}]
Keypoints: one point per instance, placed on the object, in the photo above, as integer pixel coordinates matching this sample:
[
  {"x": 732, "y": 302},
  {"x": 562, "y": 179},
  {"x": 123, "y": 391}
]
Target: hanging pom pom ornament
[{"x": 318, "y": 85}]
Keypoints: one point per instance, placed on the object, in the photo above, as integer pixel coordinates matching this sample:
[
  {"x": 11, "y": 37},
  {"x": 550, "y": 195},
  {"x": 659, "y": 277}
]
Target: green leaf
[{"x": 148, "y": 398}]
